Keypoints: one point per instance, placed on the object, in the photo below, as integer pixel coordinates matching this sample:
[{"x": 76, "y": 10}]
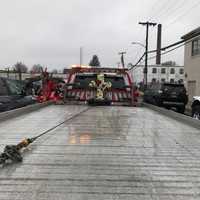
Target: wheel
[
  {"x": 181, "y": 109},
  {"x": 196, "y": 112},
  {"x": 158, "y": 102},
  {"x": 167, "y": 107}
]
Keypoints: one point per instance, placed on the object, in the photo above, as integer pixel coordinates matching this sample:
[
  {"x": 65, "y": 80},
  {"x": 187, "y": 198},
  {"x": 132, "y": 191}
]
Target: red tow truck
[{"x": 112, "y": 85}]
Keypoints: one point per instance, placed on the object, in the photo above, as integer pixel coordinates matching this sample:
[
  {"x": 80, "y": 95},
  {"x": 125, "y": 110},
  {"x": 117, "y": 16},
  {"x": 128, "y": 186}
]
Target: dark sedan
[
  {"x": 12, "y": 95},
  {"x": 168, "y": 95}
]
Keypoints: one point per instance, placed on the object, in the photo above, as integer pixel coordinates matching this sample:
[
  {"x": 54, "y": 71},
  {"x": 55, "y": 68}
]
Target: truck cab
[{"x": 78, "y": 87}]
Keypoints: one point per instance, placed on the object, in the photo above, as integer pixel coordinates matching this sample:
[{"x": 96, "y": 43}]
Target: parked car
[
  {"x": 167, "y": 95},
  {"x": 12, "y": 95},
  {"x": 196, "y": 107}
]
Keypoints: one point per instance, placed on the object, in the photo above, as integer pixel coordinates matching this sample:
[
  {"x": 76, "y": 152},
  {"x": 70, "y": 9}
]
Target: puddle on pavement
[{"x": 84, "y": 138}]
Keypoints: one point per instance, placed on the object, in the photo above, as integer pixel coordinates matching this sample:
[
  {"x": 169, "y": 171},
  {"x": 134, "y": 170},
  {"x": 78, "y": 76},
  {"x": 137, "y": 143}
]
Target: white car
[{"x": 196, "y": 107}]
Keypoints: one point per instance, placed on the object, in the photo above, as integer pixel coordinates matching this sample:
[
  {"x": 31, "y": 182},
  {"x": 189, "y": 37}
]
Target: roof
[
  {"x": 160, "y": 66},
  {"x": 98, "y": 70},
  {"x": 191, "y": 34}
]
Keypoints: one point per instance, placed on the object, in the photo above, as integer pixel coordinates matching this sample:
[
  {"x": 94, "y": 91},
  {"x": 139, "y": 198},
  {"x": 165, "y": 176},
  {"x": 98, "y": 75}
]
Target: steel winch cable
[{"x": 12, "y": 153}]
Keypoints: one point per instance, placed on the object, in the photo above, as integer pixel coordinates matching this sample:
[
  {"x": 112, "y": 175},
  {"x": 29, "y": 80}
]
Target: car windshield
[
  {"x": 83, "y": 81},
  {"x": 117, "y": 81}
]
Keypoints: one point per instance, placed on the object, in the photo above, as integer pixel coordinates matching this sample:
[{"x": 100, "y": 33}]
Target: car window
[
  {"x": 15, "y": 87},
  {"x": 116, "y": 81},
  {"x": 3, "y": 88},
  {"x": 174, "y": 88},
  {"x": 83, "y": 81}
]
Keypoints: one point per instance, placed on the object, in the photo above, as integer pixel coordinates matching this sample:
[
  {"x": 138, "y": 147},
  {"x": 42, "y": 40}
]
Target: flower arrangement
[{"x": 101, "y": 86}]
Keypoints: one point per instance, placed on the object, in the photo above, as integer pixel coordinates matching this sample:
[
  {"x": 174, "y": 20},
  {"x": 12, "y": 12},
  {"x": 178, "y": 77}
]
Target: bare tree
[
  {"x": 20, "y": 67},
  {"x": 54, "y": 71},
  {"x": 37, "y": 68}
]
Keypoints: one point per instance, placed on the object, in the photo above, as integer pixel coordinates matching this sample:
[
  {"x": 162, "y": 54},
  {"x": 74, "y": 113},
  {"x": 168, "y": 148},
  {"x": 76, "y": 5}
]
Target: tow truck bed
[{"x": 104, "y": 153}]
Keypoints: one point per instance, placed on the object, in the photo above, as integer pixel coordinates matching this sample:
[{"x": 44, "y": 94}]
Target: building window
[
  {"x": 181, "y": 71},
  {"x": 162, "y": 80},
  {"x": 171, "y": 80},
  {"x": 196, "y": 47},
  {"x": 154, "y": 70},
  {"x": 180, "y": 81},
  {"x": 153, "y": 80},
  {"x": 172, "y": 71},
  {"x": 163, "y": 71}
]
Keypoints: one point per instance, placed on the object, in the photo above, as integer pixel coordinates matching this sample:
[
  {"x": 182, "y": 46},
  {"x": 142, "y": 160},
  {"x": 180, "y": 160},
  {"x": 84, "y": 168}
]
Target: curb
[
  {"x": 177, "y": 116},
  {"x": 20, "y": 111}
]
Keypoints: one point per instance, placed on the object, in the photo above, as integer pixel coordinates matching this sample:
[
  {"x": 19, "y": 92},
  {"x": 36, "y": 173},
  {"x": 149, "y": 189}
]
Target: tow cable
[{"x": 12, "y": 153}]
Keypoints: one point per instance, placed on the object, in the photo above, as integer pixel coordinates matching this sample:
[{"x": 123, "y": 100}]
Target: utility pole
[
  {"x": 159, "y": 42},
  {"x": 122, "y": 58},
  {"x": 81, "y": 56},
  {"x": 147, "y": 24}
]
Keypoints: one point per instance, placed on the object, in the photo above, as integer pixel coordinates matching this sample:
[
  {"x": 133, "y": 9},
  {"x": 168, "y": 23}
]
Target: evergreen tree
[{"x": 95, "y": 61}]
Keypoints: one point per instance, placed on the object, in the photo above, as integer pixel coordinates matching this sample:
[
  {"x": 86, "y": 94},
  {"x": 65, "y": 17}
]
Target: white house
[{"x": 159, "y": 73}]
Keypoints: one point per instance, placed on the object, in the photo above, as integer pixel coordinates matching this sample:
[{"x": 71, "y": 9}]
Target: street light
[
  {"x": 139, "y": 44},
  {"x": 142, "y": 45}
]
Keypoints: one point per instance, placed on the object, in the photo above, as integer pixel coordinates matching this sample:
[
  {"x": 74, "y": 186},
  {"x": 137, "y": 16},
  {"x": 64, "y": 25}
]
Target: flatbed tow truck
[{"x": 101, "y": 152}]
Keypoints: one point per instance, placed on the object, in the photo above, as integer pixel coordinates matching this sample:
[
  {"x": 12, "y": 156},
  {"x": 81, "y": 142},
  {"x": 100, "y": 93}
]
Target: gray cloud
[{"x": 51, "y": 32}]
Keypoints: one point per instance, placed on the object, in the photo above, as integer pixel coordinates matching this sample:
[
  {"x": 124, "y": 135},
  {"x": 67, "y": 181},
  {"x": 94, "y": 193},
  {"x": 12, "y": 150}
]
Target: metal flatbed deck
[{"x": 107, "y": 153}]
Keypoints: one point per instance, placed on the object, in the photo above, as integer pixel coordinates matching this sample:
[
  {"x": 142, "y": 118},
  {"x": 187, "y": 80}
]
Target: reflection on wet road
[
  {"x": 105, "y": 153},
  {"x": 80, "y": 138}
]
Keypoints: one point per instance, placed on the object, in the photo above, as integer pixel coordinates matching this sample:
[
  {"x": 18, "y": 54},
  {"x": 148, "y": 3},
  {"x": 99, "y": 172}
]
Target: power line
[
  {"x": 184, "y": 13},
  {"x": 139, "y": 52},
  {"x": 166, "y": 52},
  {"x": 178, "y": 5},
  {"x": 186, "y": 41},
  {"x": 133, "y": 66},
  {"x": 157, "y": 8},
  {"x": 182, "y": 43},
  {"x": 166, "y": 6}
]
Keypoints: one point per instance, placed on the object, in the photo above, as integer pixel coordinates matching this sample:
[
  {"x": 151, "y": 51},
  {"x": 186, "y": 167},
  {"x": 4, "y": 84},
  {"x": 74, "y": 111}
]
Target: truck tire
[
  {"x": 196, "y": 112},
  {"x": 181, "y": 109},
  {"x": 158, "y": 102}
]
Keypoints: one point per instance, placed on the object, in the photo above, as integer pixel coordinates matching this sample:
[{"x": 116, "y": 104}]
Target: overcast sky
[{"x": 50, "y": 32}]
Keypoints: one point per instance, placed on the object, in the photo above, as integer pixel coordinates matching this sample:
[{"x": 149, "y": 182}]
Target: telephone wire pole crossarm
[{"x": 147, "y": 24}]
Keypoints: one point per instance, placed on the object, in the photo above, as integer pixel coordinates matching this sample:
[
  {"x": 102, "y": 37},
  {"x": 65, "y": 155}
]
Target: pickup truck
[
  {"x": 167, "y": 95},
  {"x": 12, "y": 95},
  {"x": 84, "y": 85}
]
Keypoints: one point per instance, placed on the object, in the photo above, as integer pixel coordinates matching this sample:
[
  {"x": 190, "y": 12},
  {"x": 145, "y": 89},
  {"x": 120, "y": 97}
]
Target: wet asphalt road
[{"x": 106, "y": 153}]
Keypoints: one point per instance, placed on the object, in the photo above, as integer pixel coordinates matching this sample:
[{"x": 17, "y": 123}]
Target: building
[
  {"x": 168, "y": 72},
  {"x": 192, "y": 63}
]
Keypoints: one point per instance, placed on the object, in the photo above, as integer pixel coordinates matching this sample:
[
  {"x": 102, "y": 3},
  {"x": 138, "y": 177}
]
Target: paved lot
[{"x": 105, "y": 153}]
